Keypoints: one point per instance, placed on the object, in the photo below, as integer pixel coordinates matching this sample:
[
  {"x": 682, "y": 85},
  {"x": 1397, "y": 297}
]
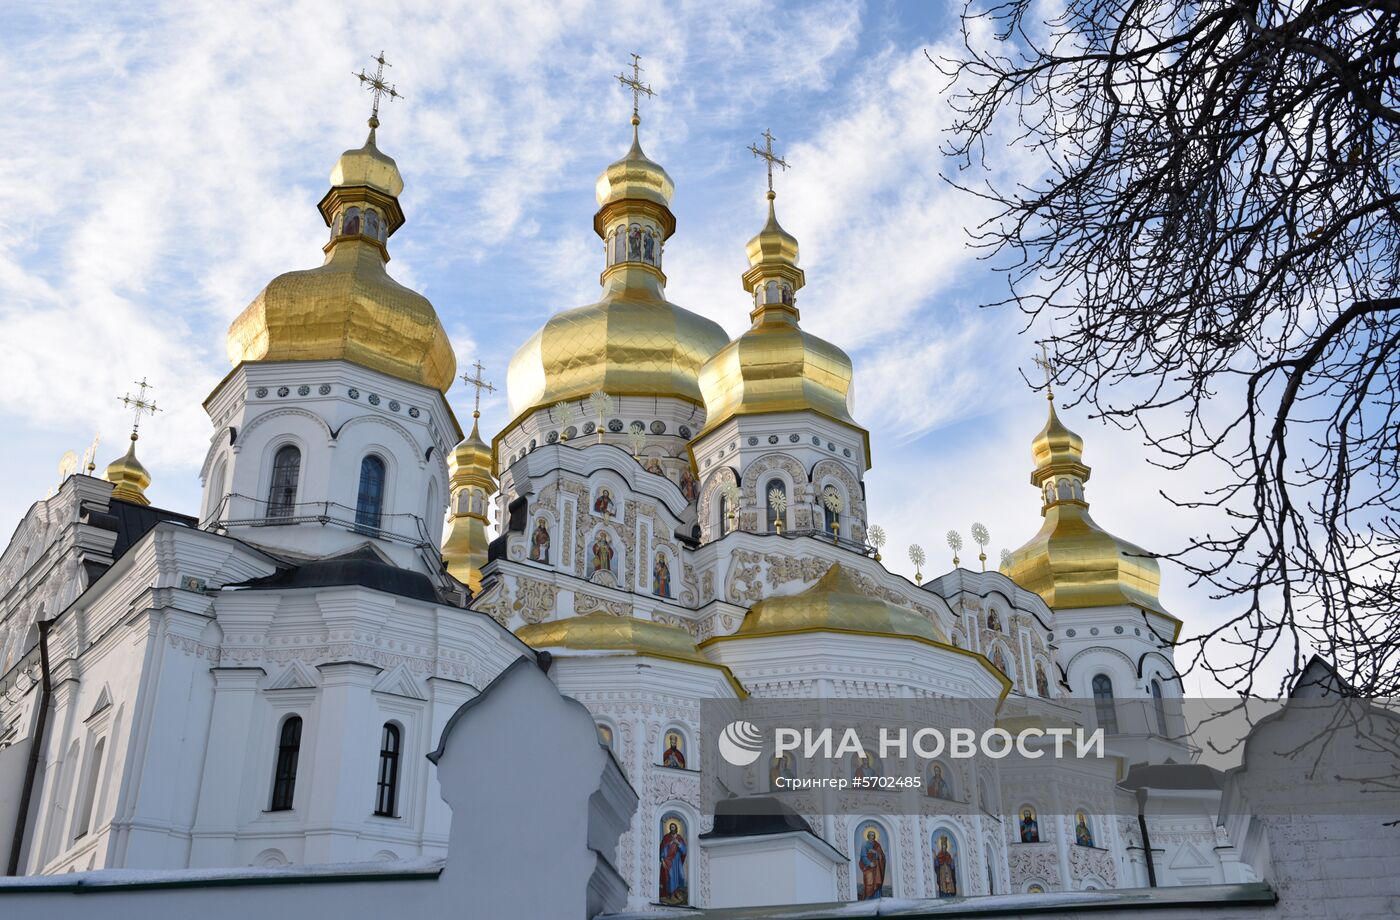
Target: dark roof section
[
  {"x": 132, "y": 522},
  {"x": 361, "y": 566},
  {"x": 1173, "y": 776},
  {"x": 755, "y": 816}
]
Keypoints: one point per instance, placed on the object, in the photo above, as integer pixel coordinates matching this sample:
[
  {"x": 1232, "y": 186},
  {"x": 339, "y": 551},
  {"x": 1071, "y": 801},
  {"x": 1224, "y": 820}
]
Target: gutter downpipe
[
  {"x": 31, "y": 769},
  {"x": 1146, "y": 840}
]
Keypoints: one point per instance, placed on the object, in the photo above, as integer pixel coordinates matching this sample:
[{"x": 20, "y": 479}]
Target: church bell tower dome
[
  {"x": 632, "y": 342},
  {"x": 775, "y": 365},
  {"x": 349, "y": 308},
  {"x": 1073, "y": 562}
]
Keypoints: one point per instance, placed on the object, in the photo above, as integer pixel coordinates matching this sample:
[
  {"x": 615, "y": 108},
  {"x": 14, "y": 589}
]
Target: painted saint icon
[
  {"x": 653, "y": 465},
  {"x": 872, "y": 862},
  {"x": 999, "y": 660},
  {"x": 945, "y": 865},
  {"x": 672, "y": 887},
  {"x": 674, "y": 754},
  {"x": 781, "y": 768},
  {"x": 994, "y": 621},
  {"x": 603, "y": 553},
  {"x": 938, "y": 787},
  {"x": 603, "y": 504},
  {"x": 689, "y": 487},
  {"x": 1042, "y": 684},
  {"x": 605, "y": 735},
  {"x": 864, "y": 766},
  {"x": 649, "y": 249},
  {"x": 661, "y": 577},
  {"x": 1082, "y": 835},
  {"x": 1030, "y": 827},
  {"x": 634, "y": 244},
  {"x": 539, "y": 542},
  {"x": 352, "y": 222}
]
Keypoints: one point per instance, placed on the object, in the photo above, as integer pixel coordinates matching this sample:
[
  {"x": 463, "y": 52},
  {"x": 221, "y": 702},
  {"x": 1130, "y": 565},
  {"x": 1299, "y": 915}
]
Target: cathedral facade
[{"x": 673, "y": 516}]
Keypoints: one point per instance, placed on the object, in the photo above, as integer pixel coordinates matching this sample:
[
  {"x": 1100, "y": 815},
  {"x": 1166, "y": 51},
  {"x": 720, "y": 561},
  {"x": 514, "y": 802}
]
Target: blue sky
[{"x": 163, "y": 160}]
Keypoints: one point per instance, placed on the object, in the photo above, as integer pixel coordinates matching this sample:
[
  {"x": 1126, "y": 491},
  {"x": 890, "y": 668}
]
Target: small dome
[
  {"x": 776, "y": 366},
  {"x": 465, "y": 545},
  {"x": 368, "y": 166},
  {"x": 129, "y": 477},
  {"x": 635, "y": 178},
  {"x": 837, "y": 603},
  {"x": 1072, "y": 562}
]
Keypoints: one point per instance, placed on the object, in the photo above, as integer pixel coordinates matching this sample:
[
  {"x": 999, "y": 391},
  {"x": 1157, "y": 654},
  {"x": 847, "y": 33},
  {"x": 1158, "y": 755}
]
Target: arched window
[
  {"x": 372, "y": 223},
  {"x": 282, "y": 494},
  {"x": 369, "y": 505},
  {"x": 216, "y": 490},
  {"x": 1159, "y": 706},
  {"x": 83, "y": 821},
  {"x": 619, "y": 249},
  {"x": 284, "y": 780},
  {"x": 724, "y": 523},
  {"x": 387, "y": 800},
  {"x": 774, "y": 515},
  {"x": 1103, "y": 704},
  {"x": 352, "y": 221},
  {"x": 673, "y": 881},
  {"x": 1064, "y": 490}
]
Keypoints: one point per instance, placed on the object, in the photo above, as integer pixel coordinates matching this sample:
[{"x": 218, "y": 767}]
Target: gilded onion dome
[
  {"x": 836, "y": 603},
  {"x": 349, "y": 308},
  {"x": 632, "y": 341},
  {"x": 464, "y": 548},
  {"x": 129, "y": 477},
  {"x": 1072, "y": 562},
  {"x": 776, "y": 366}
]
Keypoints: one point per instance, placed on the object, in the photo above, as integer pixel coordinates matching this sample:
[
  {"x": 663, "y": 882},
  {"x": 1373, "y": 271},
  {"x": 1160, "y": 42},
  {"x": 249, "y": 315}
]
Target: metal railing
[{"x": 254, "y": 512}]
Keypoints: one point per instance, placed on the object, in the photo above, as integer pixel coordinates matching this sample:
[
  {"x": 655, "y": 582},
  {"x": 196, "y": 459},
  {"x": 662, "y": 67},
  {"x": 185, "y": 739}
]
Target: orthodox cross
[
  {"x": 1045, "y": 364},
  {"x": 480, "y": 383},
  {"x": 635, "y": 84},
  {"x": 767, "y": 154},
  {"x": 139, "y": 404},
  {"x": 376, "y": 85}
]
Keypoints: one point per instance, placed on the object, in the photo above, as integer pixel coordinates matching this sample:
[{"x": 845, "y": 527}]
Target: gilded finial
[
  {"x": 90, "y": 455},
  {"x": 602, "y": 405},
  {"x": 916, "y": 556},
  {"x": 480, "y": 383},
  {"x": 770, "y": 158},
  {"x": 981, "y": 537},
  {"x": 638, "y": 88},
  {"x": 375, "y": 84},
  {"x": 876, "y": 536},
  {"x": 955, "y": 543}
]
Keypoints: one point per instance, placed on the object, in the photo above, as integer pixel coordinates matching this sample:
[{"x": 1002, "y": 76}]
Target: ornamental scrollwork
[{"x": 534, "y": 600}]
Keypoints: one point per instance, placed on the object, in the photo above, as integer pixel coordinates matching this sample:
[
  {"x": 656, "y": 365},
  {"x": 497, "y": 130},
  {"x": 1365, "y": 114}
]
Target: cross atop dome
[
  {"x": 638, "y": 88},
  {"x": 479, "y": 382},
  {"x": 139, "y": 405},
  {"x": 375, "y": 84},
  {"x": 771, "y": 158}
]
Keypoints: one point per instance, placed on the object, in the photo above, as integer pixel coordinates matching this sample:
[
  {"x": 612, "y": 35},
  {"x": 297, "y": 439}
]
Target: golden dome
[
  {"x": 464, "y": 548},
  {"x": 1072, "y": 562},
  {"x": 606, "y": 632},
  {"x": 775, "y": 366},
  {"x": 836, "y": 603},
  {"x": 368, "y": 166},
  {"x": 349, "y": 308},
  {"x": 632, "y": 342},
  {"x": 129, "y": 477},
  {"x": 634, "y": 178}
]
